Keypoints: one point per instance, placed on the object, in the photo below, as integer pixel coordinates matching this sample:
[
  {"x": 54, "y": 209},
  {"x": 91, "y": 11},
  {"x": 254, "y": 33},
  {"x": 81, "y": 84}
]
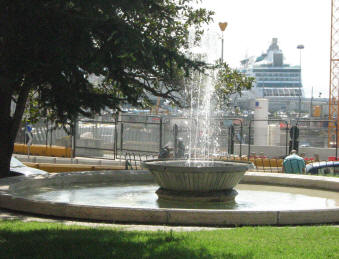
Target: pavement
[{"x": 63, "y": 160}]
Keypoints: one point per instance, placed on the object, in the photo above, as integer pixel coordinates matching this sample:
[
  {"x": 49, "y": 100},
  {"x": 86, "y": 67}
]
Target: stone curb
[{"x": 9, "y": 186}]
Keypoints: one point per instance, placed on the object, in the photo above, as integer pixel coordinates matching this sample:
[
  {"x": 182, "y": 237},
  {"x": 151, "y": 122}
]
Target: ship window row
[
  {"x": 282, "y": 92},
  {"x": 278, "y": 84},
  {"x": 278, "y": 79},
  {"x": 275, "y": 74}
]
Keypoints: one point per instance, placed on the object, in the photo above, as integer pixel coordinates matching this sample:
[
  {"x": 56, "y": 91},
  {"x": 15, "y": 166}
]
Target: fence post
[
  {"x": 74, "y": 126},
  {"x": 286, "y": 138},
  {"x": 121, "y": 136},
  {"x": 160, "y": 134},
  {"x": 115, "y": 146},
  {"x": 249, "y": 140},
  {"x": 46, "y": 133},
  {"x": 231, "y": 140},
  {"x": 241, "y": 137},
  {"x": 175, "y": 130},
  {"x": 51, "y": 137}
]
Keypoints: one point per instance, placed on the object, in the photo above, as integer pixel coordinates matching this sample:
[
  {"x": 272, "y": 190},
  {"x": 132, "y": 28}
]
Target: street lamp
[
  {"x": 222, "y": 26},
  {"x": 300, "y": 47}
]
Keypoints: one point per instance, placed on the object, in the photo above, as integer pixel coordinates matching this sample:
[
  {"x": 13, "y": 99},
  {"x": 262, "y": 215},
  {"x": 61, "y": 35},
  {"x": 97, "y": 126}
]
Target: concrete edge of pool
[{"x": 8, "y": 200}]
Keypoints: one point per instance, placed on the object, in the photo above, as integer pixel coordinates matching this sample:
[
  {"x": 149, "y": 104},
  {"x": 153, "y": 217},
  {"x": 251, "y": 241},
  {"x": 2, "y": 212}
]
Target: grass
[{"x": 52, "y": 240}]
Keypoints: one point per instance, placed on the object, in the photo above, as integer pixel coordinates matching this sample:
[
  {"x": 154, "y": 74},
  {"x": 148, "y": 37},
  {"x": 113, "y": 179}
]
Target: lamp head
[{"x": 222, "y": 25}]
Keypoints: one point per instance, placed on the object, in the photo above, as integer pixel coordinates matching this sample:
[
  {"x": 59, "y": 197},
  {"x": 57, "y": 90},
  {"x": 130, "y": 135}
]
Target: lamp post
[
  {"x": 222, "y": 26},
  {"x": 311, "y": 105},
  {"x": 300, "y": 47}
]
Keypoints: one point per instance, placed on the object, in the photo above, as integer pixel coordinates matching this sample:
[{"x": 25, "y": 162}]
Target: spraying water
[{"x": 203, "y": 130}]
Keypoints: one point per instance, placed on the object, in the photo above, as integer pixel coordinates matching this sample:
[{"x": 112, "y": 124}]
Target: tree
[
  {"x": 50, "y": 49},
  {"x": 224, "y": 80},
  {"x": 228, "y": 82}
]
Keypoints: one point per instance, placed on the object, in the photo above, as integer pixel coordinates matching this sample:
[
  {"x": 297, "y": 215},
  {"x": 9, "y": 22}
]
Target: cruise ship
[{"x": 276, "y": 81}]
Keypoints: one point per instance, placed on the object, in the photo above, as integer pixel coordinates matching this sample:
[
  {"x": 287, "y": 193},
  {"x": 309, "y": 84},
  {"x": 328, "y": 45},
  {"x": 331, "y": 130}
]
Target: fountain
[
  {"x": 193, "y": 191},
  {"x": 199, "y": 177},
  {"x": 196, "y": 180}
]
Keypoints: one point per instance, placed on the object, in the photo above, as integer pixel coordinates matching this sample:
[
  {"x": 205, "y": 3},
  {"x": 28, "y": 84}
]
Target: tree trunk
[
  {"x": 9, "y": 125},
  {"x": 6, "y": 148}
]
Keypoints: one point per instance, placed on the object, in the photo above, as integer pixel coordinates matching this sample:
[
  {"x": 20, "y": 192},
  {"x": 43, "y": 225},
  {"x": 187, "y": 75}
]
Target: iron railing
[{"x": 115, "y": 136}]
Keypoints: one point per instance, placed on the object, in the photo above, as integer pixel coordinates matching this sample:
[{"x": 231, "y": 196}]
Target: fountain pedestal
[
  {"x": 197, "y": 180},
  {"x": 213, "y": 196}
]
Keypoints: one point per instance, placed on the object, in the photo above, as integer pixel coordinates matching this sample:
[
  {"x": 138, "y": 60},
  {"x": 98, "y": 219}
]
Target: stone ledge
[
  {"x": 169, "y": 216},
  {"x": 296, "y": 180}
]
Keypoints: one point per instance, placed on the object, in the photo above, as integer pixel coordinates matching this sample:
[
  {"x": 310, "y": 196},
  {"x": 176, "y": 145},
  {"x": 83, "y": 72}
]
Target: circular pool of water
[
  {"x": 129, "y": 197},
  {"x": 142, "y": 195}
]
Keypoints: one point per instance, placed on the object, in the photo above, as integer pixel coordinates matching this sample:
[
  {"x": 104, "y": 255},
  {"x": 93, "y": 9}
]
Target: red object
[
  {"x": 333, "y": 158},
  {"x": 282, "y": 125}
]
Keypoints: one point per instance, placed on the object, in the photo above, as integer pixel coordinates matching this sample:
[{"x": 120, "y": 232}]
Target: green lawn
[{"x": 52, "y": 240}]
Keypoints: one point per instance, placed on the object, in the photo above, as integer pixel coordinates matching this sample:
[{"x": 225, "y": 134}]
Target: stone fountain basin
[
  {"x": 198, "y": 175},
  {"x": 14, "y": 196}
]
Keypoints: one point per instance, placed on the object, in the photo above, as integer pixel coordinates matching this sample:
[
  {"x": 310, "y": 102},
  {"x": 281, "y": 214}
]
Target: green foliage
[
  {"x": 54, "y": 49},
  {"x": 230, "y": 81},
  {"x": 225, "y": 80}
]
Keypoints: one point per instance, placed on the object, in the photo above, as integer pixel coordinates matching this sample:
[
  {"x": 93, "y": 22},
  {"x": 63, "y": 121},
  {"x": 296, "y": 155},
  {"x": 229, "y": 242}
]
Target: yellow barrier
[
  {"x": 42, "y": 150},
  {"x": 57, "y": 168},
  {"x": 258, "y": 162},
  {"x": 19, "y": 148},
  {"x": 266, "y": 162}
]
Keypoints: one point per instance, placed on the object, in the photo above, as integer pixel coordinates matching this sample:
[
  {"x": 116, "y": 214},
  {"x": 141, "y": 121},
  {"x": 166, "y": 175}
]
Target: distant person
[
  {"x": 294, "y": 164},
  {"x": 164, "y": 153},
  {"x": 180, "y": 149}
]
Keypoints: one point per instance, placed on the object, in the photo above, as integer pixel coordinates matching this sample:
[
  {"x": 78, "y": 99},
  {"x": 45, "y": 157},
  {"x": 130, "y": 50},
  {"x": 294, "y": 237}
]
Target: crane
[{"x": 333, "y": 134}]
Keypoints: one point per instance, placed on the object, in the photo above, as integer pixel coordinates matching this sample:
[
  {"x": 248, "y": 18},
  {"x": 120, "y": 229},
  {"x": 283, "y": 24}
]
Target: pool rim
[{"x": 206, "y": 217}]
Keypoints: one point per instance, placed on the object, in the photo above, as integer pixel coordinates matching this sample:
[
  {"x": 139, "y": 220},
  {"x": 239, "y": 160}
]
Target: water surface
[{"x": 250, "y": 197}]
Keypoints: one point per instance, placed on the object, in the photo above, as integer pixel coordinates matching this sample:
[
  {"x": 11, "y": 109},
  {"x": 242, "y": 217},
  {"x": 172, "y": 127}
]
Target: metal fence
[
  {"x": 94, "y": 138},
  {"x": 113, "y": 136},
  {"x": 260, "y": 164},
  {"x": 45, "y": 133},
  {"x": 112, "y": 139}
]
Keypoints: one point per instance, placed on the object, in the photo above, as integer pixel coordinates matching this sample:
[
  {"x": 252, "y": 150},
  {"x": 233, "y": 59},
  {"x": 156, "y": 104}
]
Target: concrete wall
[{"x": 280, "y": 151}]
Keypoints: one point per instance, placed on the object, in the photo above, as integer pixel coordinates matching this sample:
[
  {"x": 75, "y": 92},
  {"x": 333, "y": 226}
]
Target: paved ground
[{"x": 12, "y": 215}]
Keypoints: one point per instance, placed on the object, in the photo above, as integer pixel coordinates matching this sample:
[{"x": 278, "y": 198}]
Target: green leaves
[
  {"x": 230, "y": 81},
  {"x": 57, "y": 45}
]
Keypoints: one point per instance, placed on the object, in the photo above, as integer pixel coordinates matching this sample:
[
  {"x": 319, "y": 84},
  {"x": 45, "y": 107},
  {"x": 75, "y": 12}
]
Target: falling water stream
[{"x": 203, "y": 141}]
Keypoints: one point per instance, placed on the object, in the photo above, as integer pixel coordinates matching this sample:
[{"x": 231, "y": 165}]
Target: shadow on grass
[{"x": 58, "y": 241}]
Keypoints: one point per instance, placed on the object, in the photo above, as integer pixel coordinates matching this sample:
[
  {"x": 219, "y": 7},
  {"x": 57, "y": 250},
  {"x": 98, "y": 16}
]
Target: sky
[{"x": 253, "y": 23}]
